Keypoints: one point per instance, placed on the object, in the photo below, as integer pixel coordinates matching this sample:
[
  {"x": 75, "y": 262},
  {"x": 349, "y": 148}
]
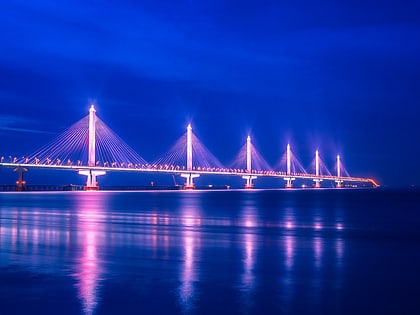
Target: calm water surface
[{"x": 210, "y": 252}]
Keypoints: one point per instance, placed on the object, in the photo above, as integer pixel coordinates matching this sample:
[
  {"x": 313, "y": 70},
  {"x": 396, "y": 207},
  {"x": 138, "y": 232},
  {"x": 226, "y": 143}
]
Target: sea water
[{"x": 326, "y": 251}]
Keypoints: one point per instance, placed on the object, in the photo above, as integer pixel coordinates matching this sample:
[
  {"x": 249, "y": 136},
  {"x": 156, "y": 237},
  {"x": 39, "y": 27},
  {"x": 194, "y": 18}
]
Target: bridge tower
[
  {"x": 289, "y": 179},
  {"x": 317, "y": 180},
  {"x": 339, "y": 182},
  {"x": 91, "y": 183},
  {"x": 189, "y": 177},
  {"x": 249, "y": 178}
]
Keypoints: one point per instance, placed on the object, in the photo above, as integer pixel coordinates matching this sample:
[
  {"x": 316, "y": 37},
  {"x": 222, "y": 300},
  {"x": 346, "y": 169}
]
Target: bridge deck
[{"x": 180, "y": 170}]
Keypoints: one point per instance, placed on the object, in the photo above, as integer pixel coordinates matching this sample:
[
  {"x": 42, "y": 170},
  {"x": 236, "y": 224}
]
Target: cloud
[{"x": 11, "y": 123}]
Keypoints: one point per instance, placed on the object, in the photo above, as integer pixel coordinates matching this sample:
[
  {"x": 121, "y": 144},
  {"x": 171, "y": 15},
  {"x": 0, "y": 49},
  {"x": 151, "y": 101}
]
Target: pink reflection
[
  {"x": 88, "y": 269},
  {"x": 155, "y": 240},
  {"x": 35, "y": 237},
  {"x": 290, "y": 245},
  {"x": 317, "y": 251},
  {"x": 14, "y": 237},
  {"x": 249, "y": 261},
  {"x": 289, "y": 219},
  {"x": 250, "y": 223},
  {"x": 88, "y": 273},
  {"x": 191, "y": 219},
  {"x": 188, "y": 276},
  {"x": 249, "y": 244},
  {"x": 188, "y": 221},
  {"x": 67, "y": 239},
  {"x": 339, "y": 249}
]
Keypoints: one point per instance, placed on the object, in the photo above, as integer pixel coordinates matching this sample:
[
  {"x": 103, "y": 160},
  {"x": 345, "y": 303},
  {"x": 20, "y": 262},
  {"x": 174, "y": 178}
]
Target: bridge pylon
[
  {"x": 91, "y": 183},
  {"x": 338, "y": 181},
  {"x": 289, "y": 179},
  {"x": 249, "y": 178},
  {"x": 317, "y": 180},
  {"x": 189, "y": 177}
]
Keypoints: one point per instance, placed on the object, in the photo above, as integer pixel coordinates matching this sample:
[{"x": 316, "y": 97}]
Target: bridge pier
[
  {"x": 289, "y": 182},
  {"x": 249, "y": 178},
  {"x": 20, "y": 183},
  {"x": 91, "y": 183},
  {"x": 338, "y": 183},
  {"x": 317, "y": 182},
  {"x": 189, "y": 180}
]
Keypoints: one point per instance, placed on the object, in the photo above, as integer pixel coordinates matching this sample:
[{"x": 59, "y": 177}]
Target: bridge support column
[
  {"x": 189, "y": 180},
  {"x": 338, "y": 183},
  {"x": 249, "y": 178},
  {"x": 91, "y": 183},
  {"x": 20, "y": 183},
  {"x": 317, "y": 182},
  {"x": 289, "y": 182}
]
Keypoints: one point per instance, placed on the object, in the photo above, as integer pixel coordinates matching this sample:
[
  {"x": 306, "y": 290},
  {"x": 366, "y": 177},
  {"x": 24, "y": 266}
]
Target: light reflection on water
[
  {"x": 188, "y": 275},
  {"x": 91, "y": 219},
  {"x": 190, "y": 243},
  {"x": 247, "y": 285},
  {"x": 289, "y": 244},
  {"x": 191, "y": 237}
]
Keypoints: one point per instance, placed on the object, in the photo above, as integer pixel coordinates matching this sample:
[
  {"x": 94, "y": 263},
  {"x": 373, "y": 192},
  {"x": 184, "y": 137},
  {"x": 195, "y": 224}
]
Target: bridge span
[
  {"x": 116, "y": 156},
  {"x": 185, "y": 173}
]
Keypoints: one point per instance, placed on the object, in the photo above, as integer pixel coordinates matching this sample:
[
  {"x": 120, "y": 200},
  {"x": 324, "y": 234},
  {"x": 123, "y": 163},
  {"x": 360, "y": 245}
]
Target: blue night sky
[{"x": 343, "y": 77}]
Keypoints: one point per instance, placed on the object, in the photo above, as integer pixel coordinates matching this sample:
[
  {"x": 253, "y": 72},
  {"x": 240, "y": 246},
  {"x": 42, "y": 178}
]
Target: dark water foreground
[{"x": 211, "y": 252}]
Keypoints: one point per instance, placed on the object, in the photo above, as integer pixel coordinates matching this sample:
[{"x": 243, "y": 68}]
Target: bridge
[{"x": 92, "y": 149}]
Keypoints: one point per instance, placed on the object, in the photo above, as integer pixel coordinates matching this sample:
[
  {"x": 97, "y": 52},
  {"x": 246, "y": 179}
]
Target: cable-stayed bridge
[{"x": 92, "y": 149}]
